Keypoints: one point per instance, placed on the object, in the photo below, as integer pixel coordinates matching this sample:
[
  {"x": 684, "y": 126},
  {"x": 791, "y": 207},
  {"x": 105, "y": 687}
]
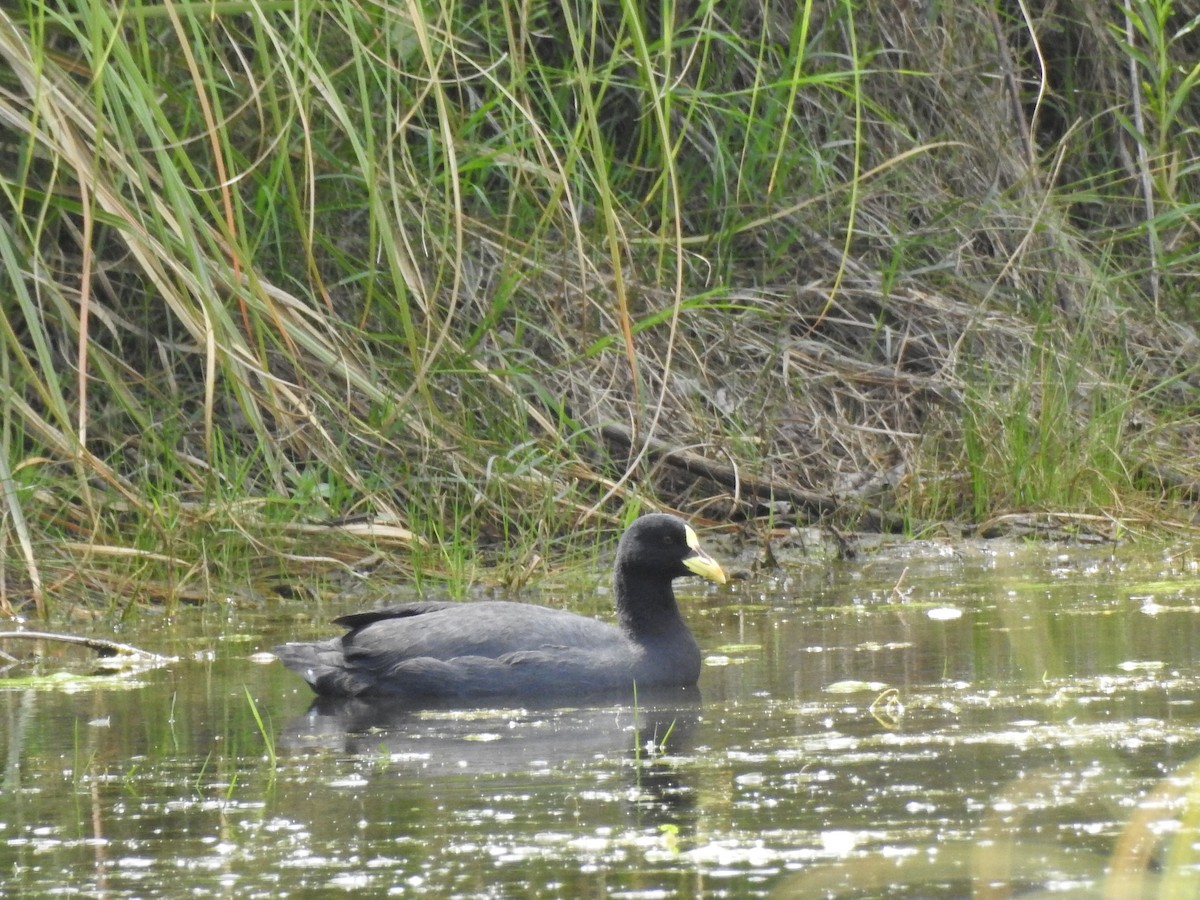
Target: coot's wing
[
  {"x": 489, "y": 629},
  {"x": 542, "y": 673},
  {"x": 400, "y": 611},
  {"x": 461, "y": 649}
]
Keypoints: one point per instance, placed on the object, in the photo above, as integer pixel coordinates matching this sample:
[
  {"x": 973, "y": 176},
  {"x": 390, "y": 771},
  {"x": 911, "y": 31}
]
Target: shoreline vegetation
[{"x": 298, "y": 287}]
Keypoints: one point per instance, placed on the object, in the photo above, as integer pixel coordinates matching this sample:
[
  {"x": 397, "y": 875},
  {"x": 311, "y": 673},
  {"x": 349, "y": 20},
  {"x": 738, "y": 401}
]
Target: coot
[{"x": 440, "y": 649}]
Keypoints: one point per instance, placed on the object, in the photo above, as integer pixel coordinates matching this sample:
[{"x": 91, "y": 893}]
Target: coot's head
[{"x": 661, "y": 546}]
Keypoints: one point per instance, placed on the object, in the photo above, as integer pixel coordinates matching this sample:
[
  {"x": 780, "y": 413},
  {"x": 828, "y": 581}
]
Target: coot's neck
[{"x": 646, "y": 604}]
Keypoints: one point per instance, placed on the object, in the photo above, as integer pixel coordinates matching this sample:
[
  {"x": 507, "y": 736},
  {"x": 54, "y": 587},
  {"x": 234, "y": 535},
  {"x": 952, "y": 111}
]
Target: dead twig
[
  {"x": 100, "y": 645},
  {"x": 815, "y": 504}
]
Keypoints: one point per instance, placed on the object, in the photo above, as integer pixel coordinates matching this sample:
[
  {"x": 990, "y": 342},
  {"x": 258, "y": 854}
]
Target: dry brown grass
[{"x": 918, "y": 265}]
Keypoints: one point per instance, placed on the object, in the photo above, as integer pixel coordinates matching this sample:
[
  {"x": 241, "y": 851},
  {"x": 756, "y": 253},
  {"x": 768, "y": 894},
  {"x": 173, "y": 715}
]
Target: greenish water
[{"x": 927, "y": 722}]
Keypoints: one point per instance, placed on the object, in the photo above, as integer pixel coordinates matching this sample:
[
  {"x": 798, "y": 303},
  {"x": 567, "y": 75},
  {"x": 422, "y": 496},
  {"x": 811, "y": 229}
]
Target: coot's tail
[{"x": 323, "y": 665}]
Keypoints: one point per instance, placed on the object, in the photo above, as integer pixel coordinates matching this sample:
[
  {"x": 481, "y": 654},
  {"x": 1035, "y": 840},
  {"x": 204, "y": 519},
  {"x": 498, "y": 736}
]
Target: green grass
[
  {"x": 264, "y": 730},
  {"x": 273, "y": 267}
]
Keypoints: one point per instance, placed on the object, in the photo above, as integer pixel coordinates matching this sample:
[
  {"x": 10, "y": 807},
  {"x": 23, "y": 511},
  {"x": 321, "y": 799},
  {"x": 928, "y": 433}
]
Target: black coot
[{"x": 442, "y": 649}]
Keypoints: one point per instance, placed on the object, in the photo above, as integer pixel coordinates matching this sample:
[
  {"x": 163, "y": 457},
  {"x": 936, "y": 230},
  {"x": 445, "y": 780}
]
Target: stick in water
[{"x": 100, "y": 645}]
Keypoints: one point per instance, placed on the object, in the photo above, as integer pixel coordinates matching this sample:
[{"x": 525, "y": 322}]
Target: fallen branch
[
  {"x": 100, "y": 645},
  {"x": 814, "y": 503}
]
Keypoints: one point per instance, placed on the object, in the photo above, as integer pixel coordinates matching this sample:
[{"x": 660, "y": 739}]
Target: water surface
[{"x": 927, "y": 721}]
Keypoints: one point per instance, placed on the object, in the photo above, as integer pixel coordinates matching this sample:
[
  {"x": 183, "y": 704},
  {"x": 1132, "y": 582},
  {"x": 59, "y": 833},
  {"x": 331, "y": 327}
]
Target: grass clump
[{"x": 290, "y": 283}]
